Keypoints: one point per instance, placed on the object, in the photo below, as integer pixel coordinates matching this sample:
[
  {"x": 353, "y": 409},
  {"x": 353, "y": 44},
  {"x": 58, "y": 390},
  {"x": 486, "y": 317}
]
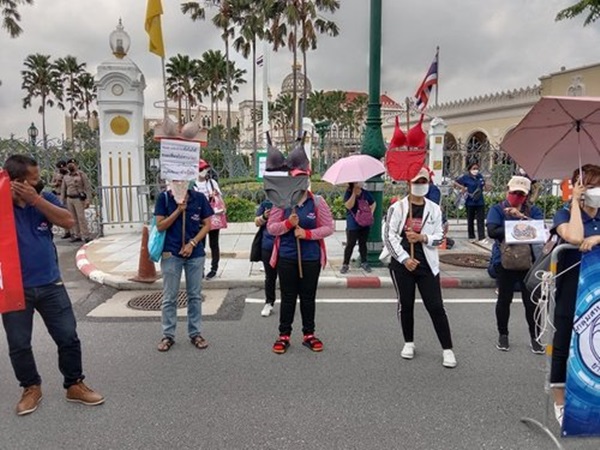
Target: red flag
[
  {"x": 403, "y": 165},
  {"x": 12, "y": 297}
]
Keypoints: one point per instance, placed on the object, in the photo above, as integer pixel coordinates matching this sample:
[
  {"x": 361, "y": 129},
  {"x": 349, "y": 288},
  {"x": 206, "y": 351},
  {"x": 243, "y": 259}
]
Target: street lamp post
[
  {"x": 32, "y": 132},
  {"x": 322, "y": 129},
  {"x": 373, "y": 144}
]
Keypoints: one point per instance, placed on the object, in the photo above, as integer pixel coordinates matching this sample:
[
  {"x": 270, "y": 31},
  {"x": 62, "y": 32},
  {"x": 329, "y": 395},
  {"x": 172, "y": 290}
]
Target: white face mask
[
  {"x": 475, "y": 172},
  {"x": 203, "y": 173},
  {"x": 419, "y": 190},
  {"x": 591, "y": 197}
]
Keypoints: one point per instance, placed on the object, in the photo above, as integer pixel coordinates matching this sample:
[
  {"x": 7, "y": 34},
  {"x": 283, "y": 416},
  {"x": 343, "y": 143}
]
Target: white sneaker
[
  {"x": 449, "y": 360},
  {"x": 408, "y": 352},
  {"x": 559, "y": 411},
  {"x": 267, "y": 310}
]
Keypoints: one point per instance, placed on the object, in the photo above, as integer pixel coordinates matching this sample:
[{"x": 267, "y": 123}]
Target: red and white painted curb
[
  {"x": 87, "y": 268},
  {"x": 379, "y": 282}
]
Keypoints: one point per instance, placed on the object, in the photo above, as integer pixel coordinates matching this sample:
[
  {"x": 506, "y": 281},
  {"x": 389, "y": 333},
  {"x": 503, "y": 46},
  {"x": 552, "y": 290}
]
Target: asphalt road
[{"x": 237, "y": 394}]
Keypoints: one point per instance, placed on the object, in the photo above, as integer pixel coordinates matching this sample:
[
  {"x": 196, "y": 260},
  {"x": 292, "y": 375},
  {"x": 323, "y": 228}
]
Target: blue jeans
[
  {"x": 54, "y": 305},
  {"x": 194, "y": 272}
]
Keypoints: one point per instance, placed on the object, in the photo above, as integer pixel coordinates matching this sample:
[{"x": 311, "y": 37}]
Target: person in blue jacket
[
  {"x": 355, "y": 232},
  {"x": 262, "y": 217},
  {"x": 514, "y": 207},
  {"x": 472, "y": 184}
]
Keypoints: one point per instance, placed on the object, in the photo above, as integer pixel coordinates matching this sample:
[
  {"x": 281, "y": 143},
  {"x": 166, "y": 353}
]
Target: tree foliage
[{"x": 589, "y": 7}]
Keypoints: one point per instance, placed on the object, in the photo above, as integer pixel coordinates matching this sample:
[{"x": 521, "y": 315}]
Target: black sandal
[
  {"x": 281, "y": 344},
  {"x": 165, "y": 344},
  {"x": 313, "y": 343}
]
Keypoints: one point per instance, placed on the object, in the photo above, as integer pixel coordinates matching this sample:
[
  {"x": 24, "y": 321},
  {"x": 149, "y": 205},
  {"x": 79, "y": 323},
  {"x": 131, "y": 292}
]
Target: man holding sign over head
[{"x": 185, "y": 217}]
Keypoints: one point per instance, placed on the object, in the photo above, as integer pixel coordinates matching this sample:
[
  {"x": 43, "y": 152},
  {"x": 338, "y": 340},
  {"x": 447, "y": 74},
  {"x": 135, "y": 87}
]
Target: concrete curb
[{"x": 372, "y": 282}]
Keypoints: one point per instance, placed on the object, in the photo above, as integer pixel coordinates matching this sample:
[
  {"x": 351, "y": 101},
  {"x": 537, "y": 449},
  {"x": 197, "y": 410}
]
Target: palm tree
[
  {"x": 70, "y": 70},
  {"x": 224, "y": 20},
  {"x": 311, "y": 24},
  {"x": 182, "y": 74},
  {"x": 87, "y": 93},
  {"x": 41, "y": 79},
  {"x": 11, "y": 16},
  {"x": 252, "y": 19},
  {"x": 303, "y": 14},
  {"x": 590, "y": 7},
  {"x": 282, "y": 115},
  {"x": 212, "y": 67}
]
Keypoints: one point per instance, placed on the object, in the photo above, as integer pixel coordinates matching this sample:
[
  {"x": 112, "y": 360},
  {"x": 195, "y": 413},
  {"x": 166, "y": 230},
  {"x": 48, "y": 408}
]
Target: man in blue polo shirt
[
  {"x": 35, "y": 213},
  {"x": 186, "y": 225}
]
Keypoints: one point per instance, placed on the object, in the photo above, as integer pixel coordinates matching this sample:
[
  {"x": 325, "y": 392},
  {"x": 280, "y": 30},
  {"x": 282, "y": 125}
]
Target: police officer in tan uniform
[
  {"x": 56, "y": 184},
  {"x": 76, "y": 194}
]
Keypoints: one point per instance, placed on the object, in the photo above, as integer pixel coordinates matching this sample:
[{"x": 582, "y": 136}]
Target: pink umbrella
[
  {"x": 353, "y": 169},
  {"x": 556, "y": 136}
]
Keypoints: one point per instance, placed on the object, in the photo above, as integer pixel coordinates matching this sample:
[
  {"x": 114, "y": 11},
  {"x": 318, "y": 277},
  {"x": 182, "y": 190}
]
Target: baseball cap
[
  {"x": 518, "y": 183},
  {"x": 423, "y": 173}
]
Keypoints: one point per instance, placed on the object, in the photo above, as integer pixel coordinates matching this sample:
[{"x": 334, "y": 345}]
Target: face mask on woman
[
  {"x": 474, "y": 172},
  {"x": 203, "y": 173},
  {"x": 515, "y": 199},
  {"x": 591, "y": 197},
  {"x": 419, "y": 190}
]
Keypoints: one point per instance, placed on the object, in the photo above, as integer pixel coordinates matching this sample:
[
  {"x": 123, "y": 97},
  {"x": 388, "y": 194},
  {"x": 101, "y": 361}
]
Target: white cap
[
  {"x": 423, "y": 173},
  {"x": 518, "y": 183}
]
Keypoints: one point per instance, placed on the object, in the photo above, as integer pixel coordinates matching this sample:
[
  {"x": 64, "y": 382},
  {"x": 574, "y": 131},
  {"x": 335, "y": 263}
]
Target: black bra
[{"x": 296, "y": 159}]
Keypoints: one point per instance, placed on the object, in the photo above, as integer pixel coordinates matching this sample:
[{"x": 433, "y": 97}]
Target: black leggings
[
  {"x": 476, "y": 213},
  {"x": 564, "y": 312},
  {"x": 270, "y": 277},
  {"x": 352, "y": 236},
  {"x": 215, "y": 253},
  {"x": 506, "y": 280},
  {"x": 292, "y": 287},
  {"x": 405, "y": 282}
]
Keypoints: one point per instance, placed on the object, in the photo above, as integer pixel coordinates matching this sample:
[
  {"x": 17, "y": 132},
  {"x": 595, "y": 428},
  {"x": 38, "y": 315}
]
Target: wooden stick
[
  {"x": 412, "y": 246},
  {"x": 299, "y": 251}
]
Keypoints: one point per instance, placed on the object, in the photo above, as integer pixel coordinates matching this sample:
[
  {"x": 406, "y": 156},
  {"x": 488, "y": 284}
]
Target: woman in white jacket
[{"x": 424, "y": 234}]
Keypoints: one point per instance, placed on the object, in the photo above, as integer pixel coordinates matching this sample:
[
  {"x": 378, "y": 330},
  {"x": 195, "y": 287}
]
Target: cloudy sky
[{"x": 485, "y": 47}]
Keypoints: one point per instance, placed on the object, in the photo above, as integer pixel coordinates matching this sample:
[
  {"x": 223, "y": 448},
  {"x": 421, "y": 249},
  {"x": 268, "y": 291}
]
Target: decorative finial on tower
[{"x": 119, "y": 41}]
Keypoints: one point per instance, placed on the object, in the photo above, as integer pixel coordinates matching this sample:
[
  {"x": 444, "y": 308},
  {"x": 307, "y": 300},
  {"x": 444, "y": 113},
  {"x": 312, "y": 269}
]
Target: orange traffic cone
[{"x": 146, "y": 270}]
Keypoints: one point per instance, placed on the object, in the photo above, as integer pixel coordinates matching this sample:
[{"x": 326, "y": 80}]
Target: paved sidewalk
[{"x": 113, "y": 261}]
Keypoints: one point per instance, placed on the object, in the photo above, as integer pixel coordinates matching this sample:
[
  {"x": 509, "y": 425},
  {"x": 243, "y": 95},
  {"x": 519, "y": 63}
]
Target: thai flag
[
  {"x": 430, "y": 80},
  {"x": 260, "y": 61}
]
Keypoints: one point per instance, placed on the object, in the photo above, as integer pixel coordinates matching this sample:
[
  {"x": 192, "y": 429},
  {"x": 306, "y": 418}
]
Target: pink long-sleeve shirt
[{"x": 279, "y": 225}]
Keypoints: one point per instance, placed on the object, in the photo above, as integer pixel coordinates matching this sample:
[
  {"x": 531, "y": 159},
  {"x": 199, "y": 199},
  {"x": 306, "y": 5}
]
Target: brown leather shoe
[
  {"x": 31, "y": 398},
  {"x": 80, "y": 393}
]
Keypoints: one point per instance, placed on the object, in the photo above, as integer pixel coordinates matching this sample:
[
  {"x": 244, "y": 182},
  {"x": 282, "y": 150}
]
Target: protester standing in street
[
  {"x": 35, "y": 212},
  {"x": 267, "y": 241},
  {"x": 183, "y": 251},
  {"x": 472, "y": 185},
  {"x": 76, "y": 193},
  {"x": 310, "y": 221},
  {"x": 360, "y": 206},
  {"x": 576, "y": 223},
  {"x": 412, "y": 233},
  {"x": 514, "y": 207},
  {"x": 210, "y": 188}
]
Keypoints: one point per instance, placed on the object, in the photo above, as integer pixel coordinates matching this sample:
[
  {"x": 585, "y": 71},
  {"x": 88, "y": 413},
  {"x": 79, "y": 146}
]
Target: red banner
[
  {"x": 403, "y": 165},
  {"x": 12, "y": 297}
]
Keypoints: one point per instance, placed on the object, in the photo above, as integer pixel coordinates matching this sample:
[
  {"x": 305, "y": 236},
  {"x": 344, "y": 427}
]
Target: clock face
[
  {"x": 117, "y": 89},
  {"x": 119, "y": 125}
]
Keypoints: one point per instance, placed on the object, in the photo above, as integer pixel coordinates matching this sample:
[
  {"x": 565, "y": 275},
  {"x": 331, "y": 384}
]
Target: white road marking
[{"x": 390, "y": 300}]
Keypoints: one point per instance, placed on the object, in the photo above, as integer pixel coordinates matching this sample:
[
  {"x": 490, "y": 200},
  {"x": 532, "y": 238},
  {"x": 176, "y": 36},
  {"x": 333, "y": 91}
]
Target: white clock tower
[{"x": 120, "y": 88}]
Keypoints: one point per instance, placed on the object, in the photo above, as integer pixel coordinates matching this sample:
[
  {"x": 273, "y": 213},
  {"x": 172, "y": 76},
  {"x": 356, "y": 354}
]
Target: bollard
[{"x": 146, "y": 270}]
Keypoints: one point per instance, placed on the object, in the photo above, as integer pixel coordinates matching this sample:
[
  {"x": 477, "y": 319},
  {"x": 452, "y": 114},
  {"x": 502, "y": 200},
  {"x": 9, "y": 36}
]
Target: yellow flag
[{"x": 153, "y": 28}]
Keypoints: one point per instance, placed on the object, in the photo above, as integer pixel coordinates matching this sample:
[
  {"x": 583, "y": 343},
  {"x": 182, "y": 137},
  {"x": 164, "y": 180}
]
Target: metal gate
[{"x": 85, "y": 151}]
